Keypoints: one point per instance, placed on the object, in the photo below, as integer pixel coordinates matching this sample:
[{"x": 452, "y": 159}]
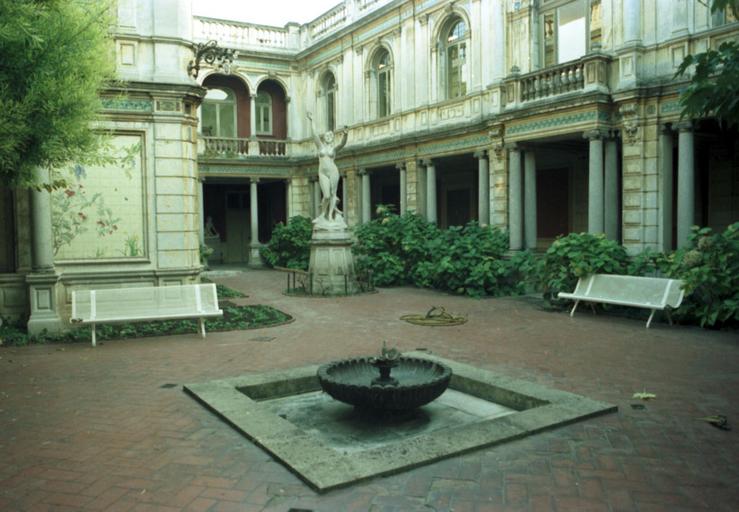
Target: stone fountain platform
[{"x": 330, "y": 445}]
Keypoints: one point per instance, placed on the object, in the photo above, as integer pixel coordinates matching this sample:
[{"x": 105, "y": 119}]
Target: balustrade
[
  {"x": 234, "y": 34},
  {"x": 225, "y": 147}
]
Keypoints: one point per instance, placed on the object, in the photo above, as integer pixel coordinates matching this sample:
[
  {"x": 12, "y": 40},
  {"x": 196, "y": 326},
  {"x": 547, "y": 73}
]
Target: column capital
[
  {"x": 400, "y": 166},
  {"x": 595, "y": 134},
  {"x": 685, "y": 126},
  {"x": 667, "y": 129},
  {"x": 480, "y": 154},
  {"x": 512, "y": 146},
  {"x": 427, "y": 162},
  {"x": 362, "y": 171},
  {"x": 254, "y": 180}
]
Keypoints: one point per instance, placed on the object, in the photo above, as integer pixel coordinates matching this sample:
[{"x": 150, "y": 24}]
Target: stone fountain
[{"x": 367, "y": 383}]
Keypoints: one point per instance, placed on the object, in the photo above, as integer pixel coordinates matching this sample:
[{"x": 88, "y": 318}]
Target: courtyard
[{"x": 110, "y": 428}]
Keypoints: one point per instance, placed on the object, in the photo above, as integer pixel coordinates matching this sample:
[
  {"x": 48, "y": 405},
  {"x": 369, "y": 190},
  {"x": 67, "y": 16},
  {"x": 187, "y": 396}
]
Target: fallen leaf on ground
[{"x": 644, "y": 395}]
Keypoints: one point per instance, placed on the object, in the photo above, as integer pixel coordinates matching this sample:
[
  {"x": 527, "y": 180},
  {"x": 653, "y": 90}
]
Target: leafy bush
[
  {"x": 465, "y": 260},
  {"x": 577, "y": 255},
  {"x": 390, "y": 245},
  {"x": 710, "y": 269},
  {"x": 290, "y": 244}
]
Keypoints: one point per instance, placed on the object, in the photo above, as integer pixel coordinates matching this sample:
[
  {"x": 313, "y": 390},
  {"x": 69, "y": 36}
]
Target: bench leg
[
  {"x": 202, "y": 328},
  {"x": 669, "y": 316},
  {"x": 94, "y": 338},
  {"x": 572, "y": 313},
  {"x": 650, "y": 318}
]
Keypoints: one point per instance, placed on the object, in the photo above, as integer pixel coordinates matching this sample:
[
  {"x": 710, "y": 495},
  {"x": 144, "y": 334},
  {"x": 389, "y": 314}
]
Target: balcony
[
  {"x": 590, "y": 73},
  {"x": 232, "y": 148}
]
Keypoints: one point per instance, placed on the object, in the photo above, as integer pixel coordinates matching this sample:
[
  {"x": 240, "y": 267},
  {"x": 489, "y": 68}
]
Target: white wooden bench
[
  {"x": 642, "y": 292},
  {"x": 117, "y": 305}
]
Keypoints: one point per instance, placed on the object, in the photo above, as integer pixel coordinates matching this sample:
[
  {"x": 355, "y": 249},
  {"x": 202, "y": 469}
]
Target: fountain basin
[{"x": 419, "y": 381}]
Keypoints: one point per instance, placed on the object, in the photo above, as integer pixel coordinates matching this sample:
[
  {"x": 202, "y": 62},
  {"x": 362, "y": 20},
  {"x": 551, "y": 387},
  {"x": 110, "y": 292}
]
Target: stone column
[
  {"x": 631, "y": 21},
  {"x": 483, "y": 188},
  {"x": 685, "y": 183},
  {"x": 515, "y": 210},
  {"x": 431, "y": 212},
  {"x": 253, "y": 144},
  {"x": 255, "y": 260},
  {"x": 43, "y": 279},
  {"x": 366, "y": 200},
  {"x": 403, "y": 206},
  {"x": 610, "y": 189},
  {"x": 665, "y": 152},
  {"x": 529, "y": 193},
  {"x": 201, "y": 209},
  {"x": 595, "y": 181},
  {"x": 344, "y": 197}
]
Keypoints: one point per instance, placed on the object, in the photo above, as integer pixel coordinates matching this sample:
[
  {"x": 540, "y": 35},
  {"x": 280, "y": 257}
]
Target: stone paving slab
[
  {"x": 97, "y": 429},
  {"x": 323, "y": 466}
]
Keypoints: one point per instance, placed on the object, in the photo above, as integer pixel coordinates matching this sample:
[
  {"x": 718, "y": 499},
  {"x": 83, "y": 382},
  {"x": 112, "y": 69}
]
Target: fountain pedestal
[{"x": 331, "y": 261}]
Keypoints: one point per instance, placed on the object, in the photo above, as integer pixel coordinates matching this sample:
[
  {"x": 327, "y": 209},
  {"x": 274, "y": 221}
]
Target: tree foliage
[
  {"x": 713, "y": 90},
  {"x": 56, "y": 56}
]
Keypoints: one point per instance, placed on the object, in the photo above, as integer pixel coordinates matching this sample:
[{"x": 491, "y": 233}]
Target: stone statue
[{"x": 328, "y": 175}]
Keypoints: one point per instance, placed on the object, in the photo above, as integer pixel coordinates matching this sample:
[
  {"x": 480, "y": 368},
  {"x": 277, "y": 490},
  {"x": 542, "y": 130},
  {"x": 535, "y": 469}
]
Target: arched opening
[
  {"x": 328, "y": 90},
  {"x": 382, "y": 71},
  {"x": 454, "y": 58},
  {"x": 225, "y": 109},
  {"x": 271, "y": 122}
]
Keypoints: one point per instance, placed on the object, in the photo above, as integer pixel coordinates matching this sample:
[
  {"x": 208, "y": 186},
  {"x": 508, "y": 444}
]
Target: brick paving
[{"x": 85, "y": 429}]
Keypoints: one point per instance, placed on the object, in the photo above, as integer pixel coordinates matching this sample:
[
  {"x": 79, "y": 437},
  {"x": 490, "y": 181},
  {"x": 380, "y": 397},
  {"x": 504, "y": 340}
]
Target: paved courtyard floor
[{"x": 110, "y": 428}]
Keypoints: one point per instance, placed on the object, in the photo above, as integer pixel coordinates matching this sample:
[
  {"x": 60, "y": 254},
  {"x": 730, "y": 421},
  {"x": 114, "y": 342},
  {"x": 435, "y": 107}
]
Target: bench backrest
[
  {"x": 643, "y": 290},
  {"x": 147, "y": 301}
]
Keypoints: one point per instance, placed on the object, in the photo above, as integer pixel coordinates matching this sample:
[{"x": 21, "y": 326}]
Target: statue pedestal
[{"x": 331, "y": 261}]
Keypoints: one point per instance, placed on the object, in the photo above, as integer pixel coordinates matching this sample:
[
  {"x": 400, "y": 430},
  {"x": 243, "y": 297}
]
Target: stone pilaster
[
  {"x": 610, "y": 189},
  {"x": 498, "y": 186},
  {"x": 411, "y": 175}
]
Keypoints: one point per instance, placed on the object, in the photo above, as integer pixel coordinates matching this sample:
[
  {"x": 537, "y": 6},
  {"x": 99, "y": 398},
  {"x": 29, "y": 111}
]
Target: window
[
  {"x": 218, "y": 113},
  {"x": 329, "y": 93},
  {"x": 722, "y": 17},
  {"x": 264, "y": 113},
  {"x": 382, "y": 69},
  {"x": 570, "y": 30},
  {"x": 454, "y": 44}
]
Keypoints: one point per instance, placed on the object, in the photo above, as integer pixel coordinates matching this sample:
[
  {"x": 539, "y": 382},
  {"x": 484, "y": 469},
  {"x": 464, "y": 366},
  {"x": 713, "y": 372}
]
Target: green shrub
[
  {"x": 391, "y": 244},
  {"x": 577, "y": 255},
  {"x": 465, "y": 260},
  {"x": 710, "y": 269},
  {"x": 290, "y": 244}
]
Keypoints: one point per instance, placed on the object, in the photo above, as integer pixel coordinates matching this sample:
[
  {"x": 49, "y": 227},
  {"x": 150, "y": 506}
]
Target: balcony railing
[
  {"x": 585, "y": 74},
  {"x": 238, "y": 148},
  {"x": 234, "y": 34},
  {"x": 271, "y": 147},
  {"x": 328, "y": 22}
]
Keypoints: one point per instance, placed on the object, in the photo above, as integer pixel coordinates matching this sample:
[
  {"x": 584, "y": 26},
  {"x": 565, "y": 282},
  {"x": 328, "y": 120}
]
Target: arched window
[
  {"x": 383, "y": 72},
  {"x": 329, "y": 93},
  {"x": 454, "y": 44},
  {"x": 218, "y": 113},
  {"x": 264, "y": 113}
]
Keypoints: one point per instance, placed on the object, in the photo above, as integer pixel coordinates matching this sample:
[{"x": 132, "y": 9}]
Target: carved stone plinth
[
  {"x": 43, "y": 289},
  {"x": 331, "y": 260}
]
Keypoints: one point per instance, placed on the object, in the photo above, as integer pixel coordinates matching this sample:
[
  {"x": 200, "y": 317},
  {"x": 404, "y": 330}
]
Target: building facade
[{"x": 539, "y": 117}]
